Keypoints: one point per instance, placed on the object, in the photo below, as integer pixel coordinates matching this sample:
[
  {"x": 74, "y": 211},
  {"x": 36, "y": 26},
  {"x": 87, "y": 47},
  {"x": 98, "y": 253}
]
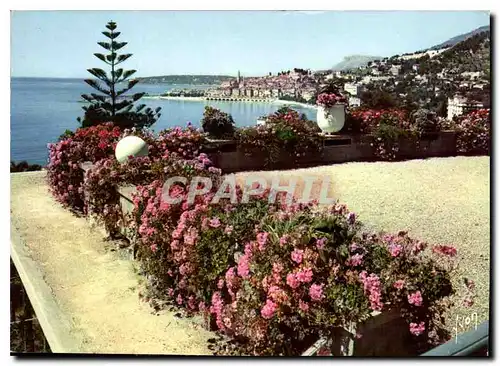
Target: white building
[
  {"x": 395, "y": 69},
  {"x": 352, "y": 89},
  {"x": 354, "y": 102},
  {"x": 415, "y": 67},
  {"x": 459, "y": 105}
]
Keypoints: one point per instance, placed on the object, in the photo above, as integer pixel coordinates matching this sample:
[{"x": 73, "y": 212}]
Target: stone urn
[
  {"x": 331, "y": 119},
  {"x": 130, "y": 146}
]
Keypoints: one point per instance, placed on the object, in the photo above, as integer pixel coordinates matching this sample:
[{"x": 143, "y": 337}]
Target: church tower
[{"x": 239, "y": 77}]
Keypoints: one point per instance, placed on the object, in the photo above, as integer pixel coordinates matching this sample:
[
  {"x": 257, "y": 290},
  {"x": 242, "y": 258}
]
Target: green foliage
[
  {"x": 23, "y": 166},
  {"x": 217, "y": 124},
  {"x": 111, "y": 105}
]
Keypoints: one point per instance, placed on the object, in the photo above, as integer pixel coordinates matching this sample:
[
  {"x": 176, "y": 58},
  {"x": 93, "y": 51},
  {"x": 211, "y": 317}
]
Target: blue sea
[{"x": 42, "y": 109}]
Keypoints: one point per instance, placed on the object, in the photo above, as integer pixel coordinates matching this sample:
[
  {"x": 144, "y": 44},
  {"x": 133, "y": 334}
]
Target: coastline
[
  {"x": 194, "y": 99},
  {"x": 204, "y": 99},
  {"x": 292, "y": 103}
]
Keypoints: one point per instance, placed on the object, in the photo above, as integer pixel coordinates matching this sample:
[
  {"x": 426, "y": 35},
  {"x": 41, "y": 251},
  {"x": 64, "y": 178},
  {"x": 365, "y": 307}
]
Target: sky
[{"x": 62, "y": 43}]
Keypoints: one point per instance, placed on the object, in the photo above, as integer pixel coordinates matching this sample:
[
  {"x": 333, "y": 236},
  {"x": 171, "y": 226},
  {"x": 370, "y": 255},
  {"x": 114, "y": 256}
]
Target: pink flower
[
  {"x": 214, "y": 222},
  {"x": 262, "y": 239},
  {"x": 305, "y": 275},
  {"x": 355, "y": 260},
  {"x": 372, "y": 288},
  {"x": 320, "y": 243},
  {"x": 297, "y": 255},
  {"x": 351, "y": 218},
  {"x": 399, "y": 284},
  {"x": 292, "y": 280},
  {"x": 154, "y": 248},
  {"x": 269, "y": 309},
  {"x": 445, "y": 250},
  {"x": 415, "y": 299},
  {"x": 395, "y": 249},
  {"x": 179, "y": 299},
  {"x": 284, "y": 239},
  {"x": 316, "y": 292},
  {"x": 170, "y": 292},
  {"x": 244, "y": 266},
  {"x": 417, "y": 329},
  {"x": 303, "y": 306}
]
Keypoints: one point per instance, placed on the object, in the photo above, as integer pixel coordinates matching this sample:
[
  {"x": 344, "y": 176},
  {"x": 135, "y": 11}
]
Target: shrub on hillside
[{"x": 217, "y": 124}]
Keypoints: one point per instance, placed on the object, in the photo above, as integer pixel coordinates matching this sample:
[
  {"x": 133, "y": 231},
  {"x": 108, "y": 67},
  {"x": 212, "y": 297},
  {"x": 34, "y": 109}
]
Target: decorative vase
[
  {"x": 332, "y": 119},
  {"x": 130, "y": 146}
]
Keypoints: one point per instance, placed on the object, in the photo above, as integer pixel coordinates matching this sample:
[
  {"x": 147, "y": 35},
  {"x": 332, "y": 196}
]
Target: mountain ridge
[{"x": 461, "y": 37}]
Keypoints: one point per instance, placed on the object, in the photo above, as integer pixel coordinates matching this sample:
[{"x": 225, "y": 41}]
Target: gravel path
[
  {"x": 94, "y": 288},
  {"x": 441, "y": 200}
]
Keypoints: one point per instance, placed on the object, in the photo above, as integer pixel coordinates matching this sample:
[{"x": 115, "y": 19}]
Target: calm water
[{"x": 42, "y": 109}]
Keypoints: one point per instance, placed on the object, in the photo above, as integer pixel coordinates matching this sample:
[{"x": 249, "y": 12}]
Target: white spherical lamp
[{"x": 130, "y": 146}]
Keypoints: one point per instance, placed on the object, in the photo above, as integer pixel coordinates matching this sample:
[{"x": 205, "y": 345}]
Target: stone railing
[{"x": 226, "y": 154}]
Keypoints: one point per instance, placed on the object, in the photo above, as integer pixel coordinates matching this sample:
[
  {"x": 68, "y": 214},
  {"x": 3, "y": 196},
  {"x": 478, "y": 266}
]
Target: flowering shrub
[
  {"x": 328, "y": 100},
  {"x": 64, "y": 174},
  {"x": 186, "y": 142},
  {"x": 217, "y": 123},
  {"x": 272, "y": 276},
  {"x": 284, "y": 131},
  {"x": 387, "y": 127},
  {"x": 301, "y": 277},
  {"x": 473, "y": 132}
]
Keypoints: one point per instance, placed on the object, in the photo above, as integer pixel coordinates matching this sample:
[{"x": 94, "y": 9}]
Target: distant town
[{"x": 450, "y": 81}]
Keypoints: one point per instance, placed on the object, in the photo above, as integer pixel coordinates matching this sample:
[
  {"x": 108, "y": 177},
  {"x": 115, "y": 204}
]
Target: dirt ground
[{"x": 94, "y": 288}]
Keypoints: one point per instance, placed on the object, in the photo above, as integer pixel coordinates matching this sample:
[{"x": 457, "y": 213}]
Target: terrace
[{"x": 85, "y": 293}]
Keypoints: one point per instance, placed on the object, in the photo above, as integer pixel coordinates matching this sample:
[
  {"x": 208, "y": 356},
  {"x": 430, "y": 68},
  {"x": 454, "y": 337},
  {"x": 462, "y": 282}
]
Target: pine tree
[{"x": 111, "y": 104}]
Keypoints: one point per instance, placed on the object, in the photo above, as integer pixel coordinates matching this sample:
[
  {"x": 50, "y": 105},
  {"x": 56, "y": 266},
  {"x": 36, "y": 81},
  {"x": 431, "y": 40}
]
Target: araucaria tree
[{"x": 111, "y": 104}]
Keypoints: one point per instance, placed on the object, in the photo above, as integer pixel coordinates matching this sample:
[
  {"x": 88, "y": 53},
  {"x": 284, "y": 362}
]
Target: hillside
[
  {"x": 462, "y": 37},
  {"x": 354, "y": 61},
  {"x": 186, "y": 79},
  {"x": 470, "y": 55}
]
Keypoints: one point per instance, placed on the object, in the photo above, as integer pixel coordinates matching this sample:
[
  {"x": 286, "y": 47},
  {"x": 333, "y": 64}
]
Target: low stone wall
[{"x": 337, "y": 149}]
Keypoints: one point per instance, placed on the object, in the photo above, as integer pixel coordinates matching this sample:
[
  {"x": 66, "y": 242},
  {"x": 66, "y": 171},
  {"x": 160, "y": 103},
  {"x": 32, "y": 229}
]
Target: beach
[{"x": 202, "y": 99}]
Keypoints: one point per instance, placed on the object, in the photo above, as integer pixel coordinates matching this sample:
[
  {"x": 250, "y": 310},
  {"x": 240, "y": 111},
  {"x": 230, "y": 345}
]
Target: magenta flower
[
  {"x": 262, "y": 239},
  {"x": 292, "y": 280},
  {"x": 355, "y": 260},
  {"x": 417, "y": 329},
  {"x": 395, "y": 249},
  {"x": 244, "y": 266},
  {"x": 445, "y": 250},
  {"x": 415, "y": 299},
  {"x": 269, "y": 309},
  {"x": 303, "y": 306},
  {"x": 305, "y": 275},
  {"x": 297, "y": 255},
  {"x": 214, "y": 222},
  {"x": 316, "y": 292},
  {"x": 284, "y": 239},
  {"x": 320, "y": 243}
]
